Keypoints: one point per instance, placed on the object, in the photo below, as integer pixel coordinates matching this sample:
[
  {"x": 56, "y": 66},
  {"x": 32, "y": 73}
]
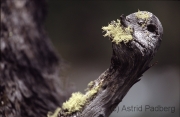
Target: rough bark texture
[
  {"x": 29, "y": 68},
  {"x": 129, "y": 61},
  {"x": 30, "y": 85}
]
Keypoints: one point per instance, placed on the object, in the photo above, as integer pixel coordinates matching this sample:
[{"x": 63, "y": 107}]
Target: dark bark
[
  {"x": 129, "y": 61},
  {"x": 30, "y": 83}
]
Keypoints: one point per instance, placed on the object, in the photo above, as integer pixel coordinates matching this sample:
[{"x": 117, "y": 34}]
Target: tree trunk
[{"x": 30, "y": 83}]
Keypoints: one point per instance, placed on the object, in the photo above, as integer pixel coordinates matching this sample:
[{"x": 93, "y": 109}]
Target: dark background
[{"x": 75, "y": 30}]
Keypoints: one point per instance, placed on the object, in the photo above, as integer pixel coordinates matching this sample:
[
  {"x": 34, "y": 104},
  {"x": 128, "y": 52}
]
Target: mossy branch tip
[{"x": 117, "y": 32}]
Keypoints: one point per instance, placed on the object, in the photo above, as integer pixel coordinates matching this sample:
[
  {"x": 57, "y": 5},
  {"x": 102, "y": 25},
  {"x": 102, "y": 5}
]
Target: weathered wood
[
  {"x": 129, "y": 61},
  {"x": 30, "y": 83},
  {"x": 29, "y": 67}
]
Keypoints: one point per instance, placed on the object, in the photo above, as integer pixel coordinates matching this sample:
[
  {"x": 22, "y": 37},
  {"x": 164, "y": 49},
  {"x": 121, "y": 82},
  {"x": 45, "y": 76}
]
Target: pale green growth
[
  {"x": 117, "y": 32},
  {"x": 92, "y": 92},
  {"x": 142, "y": 15},
  {"x": 78, "y": 100},
  {"x": 75, "y": 103},
  {"x": 55, "y": 114},
  {"x": 91, "y": 84}
]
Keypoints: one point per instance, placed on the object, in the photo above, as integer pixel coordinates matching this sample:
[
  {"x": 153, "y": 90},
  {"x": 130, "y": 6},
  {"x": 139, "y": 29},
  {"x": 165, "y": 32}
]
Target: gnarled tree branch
[
  {"x": 29, "y": 67},
  {"x": 135, "y": 40}
]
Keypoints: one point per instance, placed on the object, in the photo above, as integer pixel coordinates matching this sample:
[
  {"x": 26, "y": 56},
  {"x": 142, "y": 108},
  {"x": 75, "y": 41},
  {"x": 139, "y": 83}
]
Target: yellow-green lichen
[
  {"x": 55, "y": 114},
  {"x": 92, "y": 92},
  {"x": 142, "y": 15},
  {"x": 90, "y": 84},
  {"x": 77, "y": 101},
  {"x": 117, "y": 32}
]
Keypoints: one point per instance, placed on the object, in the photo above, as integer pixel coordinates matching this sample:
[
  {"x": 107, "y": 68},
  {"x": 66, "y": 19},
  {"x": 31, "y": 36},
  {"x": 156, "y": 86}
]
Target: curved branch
[{"x": 130, "y": 59}]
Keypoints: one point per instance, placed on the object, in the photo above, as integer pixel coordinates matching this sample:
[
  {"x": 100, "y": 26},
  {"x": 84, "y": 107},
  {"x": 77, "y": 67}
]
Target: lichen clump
[
  {"x": 92, "y": 92},
  {"x": 117, "y": 32},
  {"x": 55, "y": 114},
  {"x": 142, "y": 15},
  {"x": 77, "y": 101}
]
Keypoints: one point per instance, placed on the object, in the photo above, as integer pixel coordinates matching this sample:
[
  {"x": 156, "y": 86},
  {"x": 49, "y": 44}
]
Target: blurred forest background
[{"x": 75, "y": 30}]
